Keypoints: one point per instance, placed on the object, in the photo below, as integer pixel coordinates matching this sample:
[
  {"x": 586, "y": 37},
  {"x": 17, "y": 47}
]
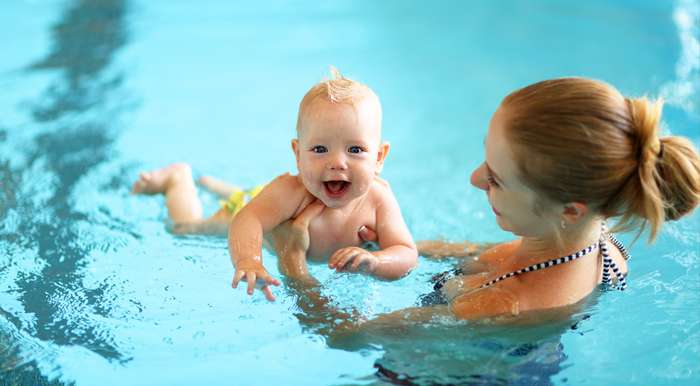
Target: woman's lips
[{"x": 495, "y": 211}]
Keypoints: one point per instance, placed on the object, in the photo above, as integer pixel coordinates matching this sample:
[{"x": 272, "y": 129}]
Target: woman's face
[{"x": 511, "y": 200}]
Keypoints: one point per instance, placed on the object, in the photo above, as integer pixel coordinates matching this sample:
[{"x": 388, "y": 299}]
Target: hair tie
[{"x": 657, "y": 147}]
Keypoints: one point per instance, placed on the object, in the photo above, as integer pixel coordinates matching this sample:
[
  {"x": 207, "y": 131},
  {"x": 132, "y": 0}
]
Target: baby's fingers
[
  {"x": 268, "y": 293},
  {"x": 359, "y": 259},
  {"x": 335, "y": 258},
  {"x": 345, "y": 258},
  {"x": 267, "y": 279},
  {"x": 237, "y": 278},
  {"x": 250, "y": 278}
]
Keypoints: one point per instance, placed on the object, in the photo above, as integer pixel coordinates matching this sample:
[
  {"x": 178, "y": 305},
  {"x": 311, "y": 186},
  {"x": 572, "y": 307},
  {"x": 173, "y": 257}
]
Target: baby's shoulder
[
  {"x": 285, "y": 186},
  {"x": 287, "y": 181},
  {"x": 380, "y": 186},
  {"x": 380, "y": 194},
  {"x": 291, "y": 190}
]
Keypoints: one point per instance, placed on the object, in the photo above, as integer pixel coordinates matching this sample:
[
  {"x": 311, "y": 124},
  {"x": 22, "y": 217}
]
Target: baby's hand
[
  {"x": 252, "y": 271},
  {"x": 351, "y": 259}
]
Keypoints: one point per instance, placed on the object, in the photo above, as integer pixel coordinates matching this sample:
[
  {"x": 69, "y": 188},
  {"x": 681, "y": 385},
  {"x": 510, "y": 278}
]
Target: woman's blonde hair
[
  {"x": 337, "y": 89},
  {"x": 580, "y": 140}
]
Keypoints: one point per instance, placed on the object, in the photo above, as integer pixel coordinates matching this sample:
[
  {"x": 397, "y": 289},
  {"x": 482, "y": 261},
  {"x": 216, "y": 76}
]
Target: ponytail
[{"x": 667, "y": 181}]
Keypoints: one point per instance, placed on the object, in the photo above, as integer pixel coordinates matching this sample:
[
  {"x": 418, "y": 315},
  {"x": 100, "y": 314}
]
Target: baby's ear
[
  {"x": 295, "y": 149},
  {"x": 381, "y": 156}
]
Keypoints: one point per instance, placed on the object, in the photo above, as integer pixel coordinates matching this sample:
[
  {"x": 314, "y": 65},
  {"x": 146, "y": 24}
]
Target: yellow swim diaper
[{"x": 237, "y": 200}]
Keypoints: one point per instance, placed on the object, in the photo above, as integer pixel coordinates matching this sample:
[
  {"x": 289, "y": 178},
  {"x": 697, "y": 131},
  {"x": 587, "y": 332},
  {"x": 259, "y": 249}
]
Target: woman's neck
[{"x": 571, "y": 239}]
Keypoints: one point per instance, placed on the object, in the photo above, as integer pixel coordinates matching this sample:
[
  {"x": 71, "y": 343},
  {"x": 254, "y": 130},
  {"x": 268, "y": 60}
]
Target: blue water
[{"x": 93, "y": 288}]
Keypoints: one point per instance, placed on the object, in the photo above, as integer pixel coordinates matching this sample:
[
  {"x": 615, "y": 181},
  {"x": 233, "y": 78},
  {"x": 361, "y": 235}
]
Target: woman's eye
[
  {"x": 319, "y": 149},
  {"x": 492, "y": 181},
  {"x": 355, "y": 149}
]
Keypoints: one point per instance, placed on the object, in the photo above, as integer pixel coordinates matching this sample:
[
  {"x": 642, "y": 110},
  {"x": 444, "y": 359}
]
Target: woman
[{"x": 563, "y": 157}]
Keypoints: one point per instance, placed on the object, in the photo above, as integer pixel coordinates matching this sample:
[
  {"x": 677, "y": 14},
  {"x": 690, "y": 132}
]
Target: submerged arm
[
  {"x": 440, "y": 249},
  {"x": 348, "y": 329}
]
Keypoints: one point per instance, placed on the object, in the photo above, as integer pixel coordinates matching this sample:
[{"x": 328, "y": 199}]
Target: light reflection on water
[{"x": 93, "y": 288}]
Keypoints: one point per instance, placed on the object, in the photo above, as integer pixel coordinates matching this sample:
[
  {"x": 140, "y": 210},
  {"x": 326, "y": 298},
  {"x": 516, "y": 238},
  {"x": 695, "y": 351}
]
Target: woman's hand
[
  {"x": 367, "y": 234},
  {"x": 291, "y": 242}
]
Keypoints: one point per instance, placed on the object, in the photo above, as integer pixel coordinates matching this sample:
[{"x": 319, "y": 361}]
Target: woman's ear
[
  {"x": 573, "y": 212},
  {"x": 381, "y": 156}
]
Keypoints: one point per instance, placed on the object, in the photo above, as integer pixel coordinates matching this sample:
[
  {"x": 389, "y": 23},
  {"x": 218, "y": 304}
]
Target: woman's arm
[
  {"x": 291, "y": 241},
  {"x": 440, "y": 249},
  {"x": 437, "y": 249}
]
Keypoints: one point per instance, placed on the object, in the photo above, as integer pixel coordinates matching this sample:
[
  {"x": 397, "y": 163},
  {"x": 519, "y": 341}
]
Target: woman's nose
[{"x": 478, "y": 177}]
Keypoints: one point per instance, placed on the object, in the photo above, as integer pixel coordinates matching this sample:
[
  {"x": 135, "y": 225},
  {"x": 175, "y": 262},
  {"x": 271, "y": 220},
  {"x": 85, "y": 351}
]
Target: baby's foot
[
  {"x": 217, "y": 186},
  {"x": 157, "y": 181}
]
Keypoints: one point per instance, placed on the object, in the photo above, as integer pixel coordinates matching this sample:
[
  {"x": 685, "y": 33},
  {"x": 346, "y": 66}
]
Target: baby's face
[{"x": 338, "y": 151}]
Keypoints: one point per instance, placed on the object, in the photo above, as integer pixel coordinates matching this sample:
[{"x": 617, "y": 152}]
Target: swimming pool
[{"x": 94, "y": 290}]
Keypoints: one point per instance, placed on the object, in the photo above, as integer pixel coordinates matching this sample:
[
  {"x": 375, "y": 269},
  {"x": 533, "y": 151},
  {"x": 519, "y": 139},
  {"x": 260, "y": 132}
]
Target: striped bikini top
[{"x": 602, "y": 243}]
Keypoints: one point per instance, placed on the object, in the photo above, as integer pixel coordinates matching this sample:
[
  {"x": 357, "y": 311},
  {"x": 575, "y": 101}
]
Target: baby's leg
[
  {"x": 175, "y": 182},
  {"x": 184, "y": 208},
  {"x": 220, "y": 188},
  {"x": 217, "y": 224}
]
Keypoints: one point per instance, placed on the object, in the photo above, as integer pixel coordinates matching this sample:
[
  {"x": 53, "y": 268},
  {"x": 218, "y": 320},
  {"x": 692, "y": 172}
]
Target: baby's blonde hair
[{"x": 337, "y": 89}]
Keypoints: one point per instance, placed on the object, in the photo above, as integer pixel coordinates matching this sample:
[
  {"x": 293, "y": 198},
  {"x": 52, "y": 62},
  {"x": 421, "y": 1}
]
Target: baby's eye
[
  {"x": 355, "y": 149},
  {"x": 319, "y": 149}
]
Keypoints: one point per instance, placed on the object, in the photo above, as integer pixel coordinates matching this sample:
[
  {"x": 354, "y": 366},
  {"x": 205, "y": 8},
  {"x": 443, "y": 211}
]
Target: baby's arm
[
  {"x": 276, "y": 203},
  {"x": 397, "y": 254}
]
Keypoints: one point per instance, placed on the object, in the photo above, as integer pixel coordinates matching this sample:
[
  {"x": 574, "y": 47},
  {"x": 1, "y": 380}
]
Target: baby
[{"x": 339, "y": 155}]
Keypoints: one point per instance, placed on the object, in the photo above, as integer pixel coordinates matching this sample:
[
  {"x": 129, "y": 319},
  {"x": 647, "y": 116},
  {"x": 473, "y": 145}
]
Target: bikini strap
[
  {"x": 608, "y": 262},
  {"x": 619, "y": 246},
  {"x": 544, "y": 264}
]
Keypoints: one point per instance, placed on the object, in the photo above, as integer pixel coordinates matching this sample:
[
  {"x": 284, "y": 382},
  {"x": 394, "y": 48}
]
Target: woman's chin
[{"x": 503, "y": 224}]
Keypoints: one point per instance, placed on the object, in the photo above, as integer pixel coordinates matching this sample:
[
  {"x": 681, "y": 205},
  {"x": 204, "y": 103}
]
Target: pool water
[{"x": 95, "y": 290}]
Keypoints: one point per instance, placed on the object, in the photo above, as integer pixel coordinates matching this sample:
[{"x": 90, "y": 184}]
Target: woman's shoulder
[
  {"x": 485, "y": 303},
  {"x": 497, "y": 254}
]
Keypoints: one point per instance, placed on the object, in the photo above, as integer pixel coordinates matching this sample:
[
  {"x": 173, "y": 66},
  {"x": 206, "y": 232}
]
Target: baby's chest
[{"x": 332, "y": 231}]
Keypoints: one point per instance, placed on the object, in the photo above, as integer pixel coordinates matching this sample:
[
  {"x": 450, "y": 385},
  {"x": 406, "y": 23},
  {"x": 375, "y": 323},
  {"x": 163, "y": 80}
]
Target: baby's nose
[{"x": 337, "y": 162}]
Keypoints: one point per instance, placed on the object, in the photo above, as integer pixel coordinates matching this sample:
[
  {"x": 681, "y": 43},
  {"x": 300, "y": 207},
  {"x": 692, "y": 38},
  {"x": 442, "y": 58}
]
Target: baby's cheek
[
  {"x": 363, "y": 183},
  {"x": 308, "y": 180}
]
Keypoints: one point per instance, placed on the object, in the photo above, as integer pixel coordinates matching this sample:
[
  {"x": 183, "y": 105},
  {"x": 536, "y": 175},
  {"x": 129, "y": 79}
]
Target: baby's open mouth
[{"x": 336, "y": 189}]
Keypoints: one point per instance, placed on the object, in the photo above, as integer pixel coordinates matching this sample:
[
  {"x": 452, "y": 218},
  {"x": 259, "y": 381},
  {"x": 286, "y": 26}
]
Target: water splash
[{"x": 684, "y": 90}]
